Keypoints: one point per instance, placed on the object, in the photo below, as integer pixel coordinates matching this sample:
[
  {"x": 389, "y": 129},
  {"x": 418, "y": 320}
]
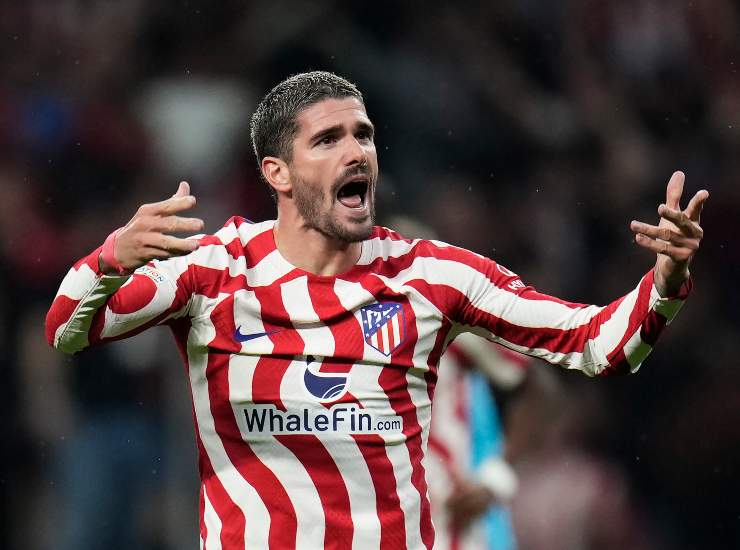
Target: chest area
[{"x": 349, "y": 322}]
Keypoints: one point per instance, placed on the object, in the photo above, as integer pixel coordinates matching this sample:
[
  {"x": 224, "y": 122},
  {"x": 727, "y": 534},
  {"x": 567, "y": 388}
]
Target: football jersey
[
  {"x": 312, "y": 394},
  {"x": 466, "y": 441}
]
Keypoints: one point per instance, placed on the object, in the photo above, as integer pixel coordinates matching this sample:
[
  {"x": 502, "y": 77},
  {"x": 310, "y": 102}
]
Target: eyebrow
[{"x": 337, "y": 128}]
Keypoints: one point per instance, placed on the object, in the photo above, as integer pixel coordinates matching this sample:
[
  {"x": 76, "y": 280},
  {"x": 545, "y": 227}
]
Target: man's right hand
[{"x": 145, "y": 237}]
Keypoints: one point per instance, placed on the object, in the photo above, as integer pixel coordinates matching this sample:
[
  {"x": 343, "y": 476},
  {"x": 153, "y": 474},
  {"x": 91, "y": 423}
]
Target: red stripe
[
  {"x": 136, "y": 295},
  {"x": 287, "y": 343},
  {"x": 387, "y": 502},
  {"x": 308, "y": 449},
  {"x": 393, "y": 381},
  {"x": 91, "y": 260},
  {"x": 202, "y": 516},
  {"x": 435, "y": 355},
  {"x": 260, "y": 246},
  {"x": 391, "y": 338},
  {"x": 551, "y": 339},
  {"x": 488, "y": 268},
  {"x": 637, "y": 315},
  {"x": 349, "y": 342},
  {"x": 652, "y": 327},
  {"x": 232, "y": 518},
  {"x": 330, "y": 486},
  {"x": 59, "y": 313},
  {"x": 283, "y": 525}
]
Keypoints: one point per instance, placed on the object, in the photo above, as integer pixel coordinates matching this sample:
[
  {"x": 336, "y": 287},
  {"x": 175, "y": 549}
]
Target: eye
[
  {"x": 327, "y": 140},
  {"x": 365, "y": 135}
]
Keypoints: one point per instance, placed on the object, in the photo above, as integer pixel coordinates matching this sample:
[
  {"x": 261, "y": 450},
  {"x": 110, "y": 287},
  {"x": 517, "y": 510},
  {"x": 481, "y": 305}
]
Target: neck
[{"x": 312, "y": 251}]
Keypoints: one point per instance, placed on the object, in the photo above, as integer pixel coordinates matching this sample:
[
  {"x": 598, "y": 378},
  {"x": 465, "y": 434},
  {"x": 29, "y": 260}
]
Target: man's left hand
[
  {"x": 467, "y": 502},
  {"x": 675, "y": 239}
]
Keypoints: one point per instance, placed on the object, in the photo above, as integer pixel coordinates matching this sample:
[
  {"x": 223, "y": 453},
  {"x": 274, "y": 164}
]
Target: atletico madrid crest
[{"x": 383, "y": 325}]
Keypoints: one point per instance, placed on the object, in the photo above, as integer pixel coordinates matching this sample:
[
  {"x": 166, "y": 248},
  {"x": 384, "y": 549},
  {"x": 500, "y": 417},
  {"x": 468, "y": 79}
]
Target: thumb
[
  {"x": 183, "y": 190},
  {"x": 674, "y": 190}
]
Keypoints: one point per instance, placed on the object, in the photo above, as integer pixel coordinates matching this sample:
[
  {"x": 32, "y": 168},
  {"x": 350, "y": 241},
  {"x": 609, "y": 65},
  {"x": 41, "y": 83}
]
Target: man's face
[{"x": 334, "y": 169}]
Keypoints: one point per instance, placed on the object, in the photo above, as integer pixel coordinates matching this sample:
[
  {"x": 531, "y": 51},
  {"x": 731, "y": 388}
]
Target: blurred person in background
[
  {"x": 262, "y": 334},
  {"x": 471, "y": 483}
]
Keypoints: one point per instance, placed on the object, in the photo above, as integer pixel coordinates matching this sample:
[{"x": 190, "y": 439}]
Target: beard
[{"x": 311, "y": 202}]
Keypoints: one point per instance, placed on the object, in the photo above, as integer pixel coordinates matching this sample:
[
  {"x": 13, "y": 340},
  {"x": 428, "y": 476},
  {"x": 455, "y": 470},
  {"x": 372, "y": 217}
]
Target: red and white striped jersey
[{"x": 312, "y": 394}]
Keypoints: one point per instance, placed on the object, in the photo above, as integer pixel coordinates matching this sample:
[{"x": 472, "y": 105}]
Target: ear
[{"x": 277, "y": 174}]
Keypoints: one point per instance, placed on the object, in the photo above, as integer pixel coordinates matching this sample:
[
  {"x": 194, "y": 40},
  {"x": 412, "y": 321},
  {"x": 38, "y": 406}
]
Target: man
[
  {"x": 311, "y": 342},
  {"x": 470, "y": 482}
]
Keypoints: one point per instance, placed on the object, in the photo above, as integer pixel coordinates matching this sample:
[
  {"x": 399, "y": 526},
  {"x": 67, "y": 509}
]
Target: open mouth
[{"x": 353, "y": 193}]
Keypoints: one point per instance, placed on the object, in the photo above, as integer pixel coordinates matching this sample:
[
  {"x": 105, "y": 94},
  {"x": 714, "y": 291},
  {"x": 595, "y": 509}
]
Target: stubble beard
[{"x": 310, "y": 200}]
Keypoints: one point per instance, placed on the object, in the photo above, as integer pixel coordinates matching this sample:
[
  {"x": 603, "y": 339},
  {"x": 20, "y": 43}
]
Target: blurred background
[{"x": 531, "y": 132}]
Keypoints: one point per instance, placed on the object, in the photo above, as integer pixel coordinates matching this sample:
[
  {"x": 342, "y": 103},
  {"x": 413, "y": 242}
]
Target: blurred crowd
[{"x": 531, "y": 132}]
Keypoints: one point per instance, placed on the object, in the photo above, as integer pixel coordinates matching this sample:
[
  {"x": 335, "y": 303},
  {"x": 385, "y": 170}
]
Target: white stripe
[
  {"x": 613, "y": 330},
  {"x": 353, "y": 296},
  {"x": 243, "y": 495},
  {"x": 493, "y": 300},
  {"x": 266, "y": 272},
  {"x": 344, "y": 452},
  {"x": 78, "y": 282},
  {"x": 282, "y": 462},
  {"x": 386, "y": 248},
  {"x": 213, "y": 524},
  {"x": 384, "y": 334},
  {"x": 287, "y": 468},
  {"x": 395, "y": 324}
]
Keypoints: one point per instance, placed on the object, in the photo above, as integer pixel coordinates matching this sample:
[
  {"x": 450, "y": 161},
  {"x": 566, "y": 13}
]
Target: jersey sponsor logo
[
  {"x": 384, "y": 326},
  {"x": 341, "y": 418},
  {"x": 239, "y": 337},
  {"x": 323, "y": 386}
]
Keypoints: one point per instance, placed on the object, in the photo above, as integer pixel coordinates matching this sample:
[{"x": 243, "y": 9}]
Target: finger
[
  {"x": 174, "y": 245},
  {"x": 674, "y": 189},
  {"x": 183, "y": 189},
  {"x": 681, "y": 220},
  {"x": 676, "y": 253},
  {"x": 175, "y": 224},
  {"x": 152, "y": 253},
  {"x": 173, "y": 205},
  {"x": 696, "y": 205},
  {"x": 664, "y": 233}
]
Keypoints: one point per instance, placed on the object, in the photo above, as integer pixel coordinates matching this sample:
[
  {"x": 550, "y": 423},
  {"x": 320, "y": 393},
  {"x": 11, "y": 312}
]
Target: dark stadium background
[{"x": 529, "y": 131}]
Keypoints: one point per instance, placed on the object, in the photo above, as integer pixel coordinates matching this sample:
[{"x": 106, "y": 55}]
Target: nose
[{"x": 355, "y": 152}]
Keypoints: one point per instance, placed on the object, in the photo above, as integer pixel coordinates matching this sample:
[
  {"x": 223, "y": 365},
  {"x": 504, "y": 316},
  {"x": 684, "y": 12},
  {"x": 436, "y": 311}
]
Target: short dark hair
[{"x": 275, "y": 121}]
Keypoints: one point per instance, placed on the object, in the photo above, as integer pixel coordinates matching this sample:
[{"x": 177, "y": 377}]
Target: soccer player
[
  {"x": 311, "y": 342},
  {"x": 470, "y": 482}
]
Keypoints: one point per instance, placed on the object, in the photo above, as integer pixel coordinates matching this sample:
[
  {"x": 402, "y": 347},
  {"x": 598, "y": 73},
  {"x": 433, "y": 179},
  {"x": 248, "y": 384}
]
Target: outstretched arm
[
  {"x": 675, "y": 239},
  {"x": 476, "y": 294},
  {"x": 123, "y": 287}
]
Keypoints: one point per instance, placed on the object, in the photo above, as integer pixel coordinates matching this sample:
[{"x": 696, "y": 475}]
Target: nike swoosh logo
[{"x": 239, "y": 337}]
